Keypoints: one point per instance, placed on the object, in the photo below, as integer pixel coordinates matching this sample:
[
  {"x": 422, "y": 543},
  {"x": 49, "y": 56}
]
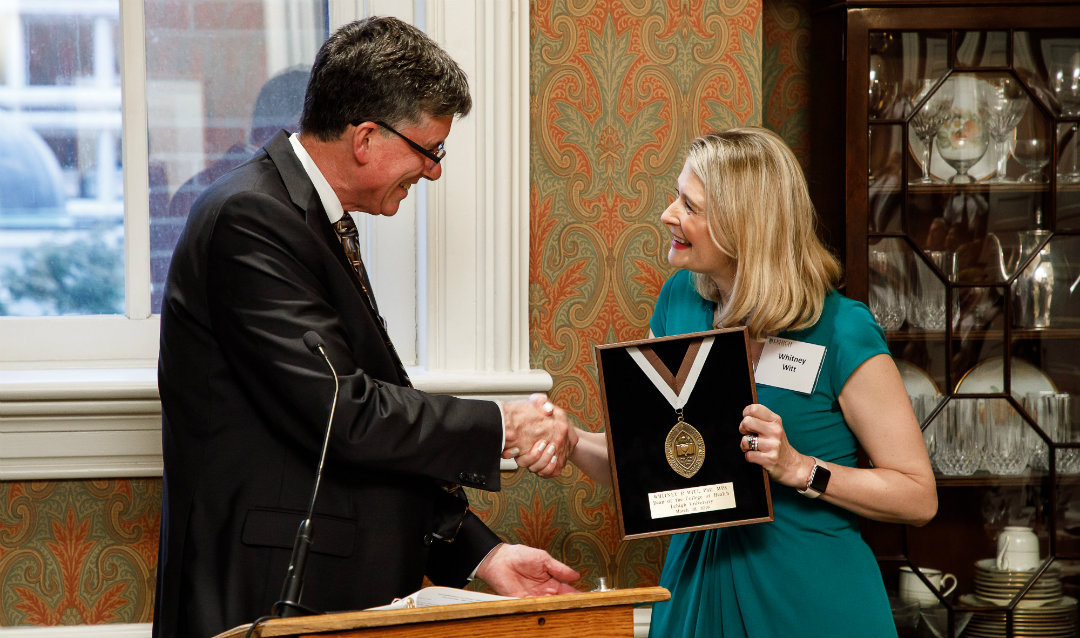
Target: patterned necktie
[{"x": 350, "y": 241}]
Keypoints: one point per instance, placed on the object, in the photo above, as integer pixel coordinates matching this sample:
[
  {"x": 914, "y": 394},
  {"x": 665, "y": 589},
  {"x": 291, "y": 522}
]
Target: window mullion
[{"x": 135, "y": 161}]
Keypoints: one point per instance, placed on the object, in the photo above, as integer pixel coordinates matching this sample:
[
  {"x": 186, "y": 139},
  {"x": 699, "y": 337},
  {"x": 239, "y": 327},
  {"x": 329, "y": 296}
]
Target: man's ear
[{"x": 362, "y": 138}]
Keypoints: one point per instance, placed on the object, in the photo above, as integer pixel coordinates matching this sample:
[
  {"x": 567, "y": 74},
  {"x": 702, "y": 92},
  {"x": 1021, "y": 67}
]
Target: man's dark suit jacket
[{"x": 244, "y": 409}]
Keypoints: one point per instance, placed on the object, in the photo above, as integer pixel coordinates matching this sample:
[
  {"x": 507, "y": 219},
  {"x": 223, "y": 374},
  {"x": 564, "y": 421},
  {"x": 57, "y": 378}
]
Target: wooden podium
[{"x": 607, "y": 614}]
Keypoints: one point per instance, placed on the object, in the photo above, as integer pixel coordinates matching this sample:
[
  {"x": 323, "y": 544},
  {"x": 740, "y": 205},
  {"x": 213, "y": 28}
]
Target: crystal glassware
[
  {"x": 1064, "y": 68},
  {"x": 1007, "y": 442},
  {"x": 888, "y": 298},
  {"x": 927, "y": 119},
  {"x": 1034, "y": 154},
  {"x": 1052, "y": 412},
  {"x": 1033, "y": 404},
  {"x": 963, "y": 139},
  {"x": 958, "y": 445},
  {"x": 937, "y": 619},
  {"x": 1005, "y": 107},
  {"x": 1068, "y": 459},
  {"x": 928, "y": 306}
]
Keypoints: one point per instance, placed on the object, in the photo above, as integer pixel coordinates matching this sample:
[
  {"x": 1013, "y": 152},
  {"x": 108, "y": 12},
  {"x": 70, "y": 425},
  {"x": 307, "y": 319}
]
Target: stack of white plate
[
  {"x": 1052, "y": 620},
  {"x": 998, "y": 586},
  {"x": 1043, "y": 612}
]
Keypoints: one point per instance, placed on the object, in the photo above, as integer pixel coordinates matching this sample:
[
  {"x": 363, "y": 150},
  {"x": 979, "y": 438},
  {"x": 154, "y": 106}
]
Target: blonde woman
[{"x": 744, "y": 238}]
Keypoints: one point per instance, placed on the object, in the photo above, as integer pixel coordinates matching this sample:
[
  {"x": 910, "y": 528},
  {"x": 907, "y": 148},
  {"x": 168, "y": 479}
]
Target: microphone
[{"x": 289, "y": 605}]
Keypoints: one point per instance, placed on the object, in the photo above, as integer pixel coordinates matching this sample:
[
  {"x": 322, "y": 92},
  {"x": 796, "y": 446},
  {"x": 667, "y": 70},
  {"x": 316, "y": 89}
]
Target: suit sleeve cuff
[
  {"x": 472, "y": 574},
  {"x": 452, "y": 564},
  {"x": 502, "y": 417}
]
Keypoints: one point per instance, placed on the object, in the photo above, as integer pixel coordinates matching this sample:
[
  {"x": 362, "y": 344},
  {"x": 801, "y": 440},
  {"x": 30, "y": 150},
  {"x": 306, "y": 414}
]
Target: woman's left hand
[{"x": 764, "y": 429}]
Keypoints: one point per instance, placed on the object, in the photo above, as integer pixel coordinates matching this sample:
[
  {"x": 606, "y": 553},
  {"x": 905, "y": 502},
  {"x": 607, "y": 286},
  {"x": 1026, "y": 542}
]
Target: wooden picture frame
[{"x": 676, "y": 464}]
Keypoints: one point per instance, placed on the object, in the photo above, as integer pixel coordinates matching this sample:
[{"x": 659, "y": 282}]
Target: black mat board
[{"x": 638, "y": 419}]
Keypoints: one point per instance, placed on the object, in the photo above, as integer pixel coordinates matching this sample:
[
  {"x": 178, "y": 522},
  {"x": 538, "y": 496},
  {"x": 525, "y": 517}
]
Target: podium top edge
[{"x": 344, "y": 621}]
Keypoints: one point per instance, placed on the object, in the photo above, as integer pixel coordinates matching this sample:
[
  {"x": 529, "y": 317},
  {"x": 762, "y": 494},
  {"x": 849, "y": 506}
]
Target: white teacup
[
  {"x": 912, "y": 588},
  {"x": 1018, "y": 549}
]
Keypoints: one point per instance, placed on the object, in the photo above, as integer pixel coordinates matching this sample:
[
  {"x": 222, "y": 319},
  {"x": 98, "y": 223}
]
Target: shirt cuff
[{"x": 472, "y": 574}]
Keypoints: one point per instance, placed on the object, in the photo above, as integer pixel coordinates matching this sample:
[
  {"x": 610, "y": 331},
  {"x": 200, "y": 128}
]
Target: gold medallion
[{"x": 684, "y": 448}]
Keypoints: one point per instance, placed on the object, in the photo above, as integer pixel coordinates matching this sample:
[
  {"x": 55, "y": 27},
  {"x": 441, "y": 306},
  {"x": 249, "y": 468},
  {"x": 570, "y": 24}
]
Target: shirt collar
[{"x": 330, "y": 201}]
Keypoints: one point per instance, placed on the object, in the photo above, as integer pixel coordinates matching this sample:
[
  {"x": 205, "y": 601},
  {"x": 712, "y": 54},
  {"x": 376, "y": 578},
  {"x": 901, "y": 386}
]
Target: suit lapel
[{"x": 303, "y": 194}]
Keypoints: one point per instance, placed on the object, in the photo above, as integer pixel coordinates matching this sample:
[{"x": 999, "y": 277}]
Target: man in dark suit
[{"x": 244, "y": 402}]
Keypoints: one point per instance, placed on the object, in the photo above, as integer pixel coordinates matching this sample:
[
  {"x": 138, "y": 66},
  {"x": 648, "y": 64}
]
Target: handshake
[{"x": 538, "y": 435}]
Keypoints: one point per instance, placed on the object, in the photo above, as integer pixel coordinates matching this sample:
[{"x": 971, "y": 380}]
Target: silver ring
[{"x": 751, "y": 440}]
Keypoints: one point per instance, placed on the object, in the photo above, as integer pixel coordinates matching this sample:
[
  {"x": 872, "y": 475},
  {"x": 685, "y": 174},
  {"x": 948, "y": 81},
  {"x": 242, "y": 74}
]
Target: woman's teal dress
[{"x": 808, "y": 572}]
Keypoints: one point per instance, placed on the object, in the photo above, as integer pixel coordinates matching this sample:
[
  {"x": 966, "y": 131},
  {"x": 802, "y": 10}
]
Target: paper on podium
[{"x": 434, "y": 596}]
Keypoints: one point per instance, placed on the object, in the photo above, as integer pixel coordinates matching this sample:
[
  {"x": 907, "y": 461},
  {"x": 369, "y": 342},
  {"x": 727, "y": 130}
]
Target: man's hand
[
  {"x": 522, "y": 571},
  {"x": 541, "y": 432}
]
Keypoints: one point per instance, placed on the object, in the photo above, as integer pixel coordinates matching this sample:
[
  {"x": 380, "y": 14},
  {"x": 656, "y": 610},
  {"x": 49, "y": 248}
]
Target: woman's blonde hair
[{"x": 760, "y": 214}]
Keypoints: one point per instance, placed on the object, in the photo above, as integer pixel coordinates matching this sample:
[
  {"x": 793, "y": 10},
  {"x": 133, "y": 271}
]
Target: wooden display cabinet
[{"x": 945, "y": 165}]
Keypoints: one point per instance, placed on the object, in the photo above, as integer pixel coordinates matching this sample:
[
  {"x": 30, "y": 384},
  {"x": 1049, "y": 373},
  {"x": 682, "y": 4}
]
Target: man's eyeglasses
[{"x": 435, "y": 155}]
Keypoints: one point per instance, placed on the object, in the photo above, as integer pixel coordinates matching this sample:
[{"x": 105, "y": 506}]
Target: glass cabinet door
[
  {"x": 973, "y": 263},
  {"x": 973, "y": 271}
]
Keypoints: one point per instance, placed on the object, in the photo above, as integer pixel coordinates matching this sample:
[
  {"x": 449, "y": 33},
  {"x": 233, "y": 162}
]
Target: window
[
  {"x": 142, "y": 97},
  {"x": 61, "y": 208},
  {"x": 221, "y": 80}
]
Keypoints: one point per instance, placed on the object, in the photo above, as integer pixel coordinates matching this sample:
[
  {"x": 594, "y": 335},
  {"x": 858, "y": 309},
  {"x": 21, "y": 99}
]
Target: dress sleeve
[
  {"x": 857, "y": 337},
  {"x": 658, "y": 322}
]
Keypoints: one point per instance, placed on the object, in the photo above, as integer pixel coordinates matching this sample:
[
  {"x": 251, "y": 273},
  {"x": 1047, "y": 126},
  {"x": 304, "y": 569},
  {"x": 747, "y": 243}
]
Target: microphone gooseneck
[{"x": 289, "y": 604}]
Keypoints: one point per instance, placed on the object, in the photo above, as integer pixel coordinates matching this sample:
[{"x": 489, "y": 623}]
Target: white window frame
[{"x": 78, "y": 395}]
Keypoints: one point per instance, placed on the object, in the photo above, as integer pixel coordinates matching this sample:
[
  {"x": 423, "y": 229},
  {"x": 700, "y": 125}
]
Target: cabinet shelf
[
  {"x": 880, "y": 188},
  {"x": 983, "y": 478},
  {"x": 978, "y": 187},
  {"x": 1018, "y": 334}
]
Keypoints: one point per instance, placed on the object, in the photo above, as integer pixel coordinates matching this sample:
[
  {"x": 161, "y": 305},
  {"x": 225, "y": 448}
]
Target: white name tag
[
  {"x": 792, "y": 365},
  {"x": 692, "y": 500}
]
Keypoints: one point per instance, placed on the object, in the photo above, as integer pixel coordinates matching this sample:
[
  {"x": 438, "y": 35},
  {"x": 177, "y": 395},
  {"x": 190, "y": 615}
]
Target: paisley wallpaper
[
  {"x": 618, "y": 90},
  {"x": 618, "y": 87},
  {"x": 786, "y": 73},
  {"x": 78, "y": 552}
]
